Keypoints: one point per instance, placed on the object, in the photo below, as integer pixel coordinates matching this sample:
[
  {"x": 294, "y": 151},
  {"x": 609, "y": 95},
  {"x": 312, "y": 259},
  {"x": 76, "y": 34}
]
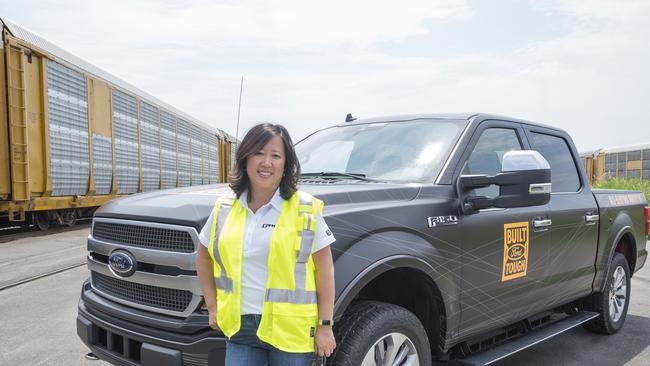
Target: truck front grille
[
  {"x": 159, "y": 297},
  {"x": 144, "y": 236}
]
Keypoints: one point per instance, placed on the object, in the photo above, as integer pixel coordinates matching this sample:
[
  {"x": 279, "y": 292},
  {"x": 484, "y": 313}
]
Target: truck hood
[{"x": 191, "y": 206}]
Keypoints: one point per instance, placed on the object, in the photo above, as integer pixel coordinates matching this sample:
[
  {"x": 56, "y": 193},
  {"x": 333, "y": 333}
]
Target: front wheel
[
  {"x": 375, "y": 333},
  {"x": 613, "y": 301}
]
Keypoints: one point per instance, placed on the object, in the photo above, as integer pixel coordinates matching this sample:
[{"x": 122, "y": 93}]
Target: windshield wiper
[{"x": 356, "y": 176}]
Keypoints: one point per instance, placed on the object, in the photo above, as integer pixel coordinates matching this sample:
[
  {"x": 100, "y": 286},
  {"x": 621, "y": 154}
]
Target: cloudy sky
[{"x": 580, "y": 65}]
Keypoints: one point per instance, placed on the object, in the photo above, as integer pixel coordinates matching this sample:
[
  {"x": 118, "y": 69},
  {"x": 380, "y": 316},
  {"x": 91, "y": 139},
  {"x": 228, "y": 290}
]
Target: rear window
[{"x": 564, "y": 173}]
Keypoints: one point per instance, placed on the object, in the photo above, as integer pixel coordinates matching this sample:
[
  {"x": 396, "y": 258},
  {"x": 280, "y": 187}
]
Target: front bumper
[{"x": 138, "y": 345}]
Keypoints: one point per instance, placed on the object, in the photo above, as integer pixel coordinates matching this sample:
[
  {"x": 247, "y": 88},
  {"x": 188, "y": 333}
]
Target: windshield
[{"x": 409, "y": 151}]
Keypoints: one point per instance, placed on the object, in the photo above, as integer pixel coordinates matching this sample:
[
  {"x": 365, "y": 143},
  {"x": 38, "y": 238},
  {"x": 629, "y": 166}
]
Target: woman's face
[{"x": 265, "y": 167}]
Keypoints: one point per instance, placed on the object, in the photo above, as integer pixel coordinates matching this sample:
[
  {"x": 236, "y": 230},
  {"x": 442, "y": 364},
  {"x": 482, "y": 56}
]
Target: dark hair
[{"x": 255, "y": 140}]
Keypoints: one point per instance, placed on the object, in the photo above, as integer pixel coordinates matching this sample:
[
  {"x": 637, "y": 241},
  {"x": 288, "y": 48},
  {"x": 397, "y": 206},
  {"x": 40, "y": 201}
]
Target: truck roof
[{"x": 470, "y": 116}]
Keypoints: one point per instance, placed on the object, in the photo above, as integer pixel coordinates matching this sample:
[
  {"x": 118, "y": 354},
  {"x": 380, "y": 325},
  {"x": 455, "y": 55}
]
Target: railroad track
[
  {"x": 42, "y": 275},
  {"x": 21, "y": 249},
  {"x": 14, "y": 233}
]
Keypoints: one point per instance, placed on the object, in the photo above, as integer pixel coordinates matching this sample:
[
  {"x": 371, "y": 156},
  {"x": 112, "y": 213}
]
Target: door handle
[
  {"x": 592, "y": 219},
  {"x": 542, "y": 224}
]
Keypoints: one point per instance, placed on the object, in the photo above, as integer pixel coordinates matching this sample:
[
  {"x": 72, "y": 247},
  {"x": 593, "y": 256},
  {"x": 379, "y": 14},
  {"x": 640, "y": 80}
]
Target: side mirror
[{"x": 525, "y": 180}]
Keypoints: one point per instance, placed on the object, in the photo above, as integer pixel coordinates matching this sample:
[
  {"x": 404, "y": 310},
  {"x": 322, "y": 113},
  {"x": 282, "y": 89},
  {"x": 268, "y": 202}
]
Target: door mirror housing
[{"x": 525, "y": 180}]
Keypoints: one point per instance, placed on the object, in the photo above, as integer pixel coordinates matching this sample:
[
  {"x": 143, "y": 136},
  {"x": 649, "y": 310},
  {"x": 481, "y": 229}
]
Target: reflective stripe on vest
[
  {"x": 292, "y": 297},
  {"x": 222, "y": 209}
]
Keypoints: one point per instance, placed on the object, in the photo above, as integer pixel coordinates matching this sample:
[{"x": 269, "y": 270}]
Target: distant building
[{"x": 627, "y": 162}]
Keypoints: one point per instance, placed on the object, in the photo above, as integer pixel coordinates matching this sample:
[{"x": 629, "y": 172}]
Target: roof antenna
[{"x": 349, "y": 118}]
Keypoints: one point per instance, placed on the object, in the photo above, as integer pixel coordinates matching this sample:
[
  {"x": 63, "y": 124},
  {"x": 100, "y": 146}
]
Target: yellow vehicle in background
[{"x": 72, "y": 136}]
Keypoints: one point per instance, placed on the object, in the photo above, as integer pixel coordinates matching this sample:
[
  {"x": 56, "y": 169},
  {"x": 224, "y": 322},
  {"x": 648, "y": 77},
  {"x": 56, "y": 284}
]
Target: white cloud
[
  {"x": 308, "y": 65},
  {"x": 278, "y": 23}
]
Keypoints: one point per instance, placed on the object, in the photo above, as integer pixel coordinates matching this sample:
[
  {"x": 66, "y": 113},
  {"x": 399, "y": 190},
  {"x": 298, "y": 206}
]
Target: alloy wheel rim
[
  {"x": 617, "y": 294},
  {"x": 394, "y": 349}
]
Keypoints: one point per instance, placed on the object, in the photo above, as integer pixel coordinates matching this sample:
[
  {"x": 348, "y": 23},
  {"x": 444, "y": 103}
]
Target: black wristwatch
[{"x": 325, "y": 322}]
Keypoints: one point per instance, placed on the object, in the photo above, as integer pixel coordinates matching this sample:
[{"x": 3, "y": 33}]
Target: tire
[
  {"x": 372, "y": 330},
  {"x": 612, "y": 303},
  {"x": 69, "y": 217},
  {"x": 41, "y": 220}
]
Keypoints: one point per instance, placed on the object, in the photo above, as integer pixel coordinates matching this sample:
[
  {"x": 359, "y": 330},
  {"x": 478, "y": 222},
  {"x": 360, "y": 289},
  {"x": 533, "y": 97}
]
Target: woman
[{"x": 265, "y": 266}]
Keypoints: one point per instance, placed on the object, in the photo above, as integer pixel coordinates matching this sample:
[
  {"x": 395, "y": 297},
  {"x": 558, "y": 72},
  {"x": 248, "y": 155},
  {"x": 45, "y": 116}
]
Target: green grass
[{"x": 642, "y": 185}]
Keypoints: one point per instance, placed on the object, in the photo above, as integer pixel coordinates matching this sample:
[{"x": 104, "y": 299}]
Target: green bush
[{"x": 632, "y": 184}]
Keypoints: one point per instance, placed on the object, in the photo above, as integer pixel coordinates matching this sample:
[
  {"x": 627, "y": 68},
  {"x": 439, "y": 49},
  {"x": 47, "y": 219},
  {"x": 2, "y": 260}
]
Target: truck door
[
  {"x": 574, "y": 220},
  {"x": 504, "y": 255}
]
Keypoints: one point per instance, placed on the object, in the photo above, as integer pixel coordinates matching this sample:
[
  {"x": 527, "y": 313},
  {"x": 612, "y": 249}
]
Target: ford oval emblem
[{"x": 122, "y": 263}]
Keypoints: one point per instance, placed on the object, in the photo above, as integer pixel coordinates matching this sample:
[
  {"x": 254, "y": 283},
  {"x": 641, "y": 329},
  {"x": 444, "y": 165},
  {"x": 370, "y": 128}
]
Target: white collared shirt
[{"x": 257, "y": 237}]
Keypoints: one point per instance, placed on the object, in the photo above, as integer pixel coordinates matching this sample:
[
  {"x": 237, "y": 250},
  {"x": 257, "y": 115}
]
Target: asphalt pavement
[
  {"x": 38, "y": 317},
  {"x": 34, "y": 254}
]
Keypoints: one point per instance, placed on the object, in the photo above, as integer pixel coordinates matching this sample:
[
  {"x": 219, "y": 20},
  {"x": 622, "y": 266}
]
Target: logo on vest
[{"x": 264, "y": 226}]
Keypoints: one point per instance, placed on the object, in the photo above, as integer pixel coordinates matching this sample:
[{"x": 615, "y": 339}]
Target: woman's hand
[
  {"x": 324, "y": 339},
  {"x": 325, "y": 342},
  {"x": 212, "y": 318}
]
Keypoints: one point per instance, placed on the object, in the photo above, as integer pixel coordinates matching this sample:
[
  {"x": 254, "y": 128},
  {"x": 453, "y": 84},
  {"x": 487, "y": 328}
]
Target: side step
[{"x": 500, "y": 352}]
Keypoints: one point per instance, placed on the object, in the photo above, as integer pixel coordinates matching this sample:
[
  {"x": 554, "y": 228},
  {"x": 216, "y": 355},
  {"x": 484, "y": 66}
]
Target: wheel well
[
  {"x": 627, "y": 247},
  {"x": 413, "y": 290}
]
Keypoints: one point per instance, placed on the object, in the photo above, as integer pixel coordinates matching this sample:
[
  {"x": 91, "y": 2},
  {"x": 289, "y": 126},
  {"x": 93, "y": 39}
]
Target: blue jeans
[{"x": 245, "y": 349}]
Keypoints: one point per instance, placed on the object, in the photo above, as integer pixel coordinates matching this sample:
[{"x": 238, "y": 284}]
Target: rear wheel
[
  {"x": 613, "y": 301},
  {"x": 375, "y": 333},
  {"x": 41, "y": 220}
]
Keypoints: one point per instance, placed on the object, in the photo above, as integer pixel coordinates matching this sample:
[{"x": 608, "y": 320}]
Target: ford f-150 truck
[{"x": 466, "y": 237}]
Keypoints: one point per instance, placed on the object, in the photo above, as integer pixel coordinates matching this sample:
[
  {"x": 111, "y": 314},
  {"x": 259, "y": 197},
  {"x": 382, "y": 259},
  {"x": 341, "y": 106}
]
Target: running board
[{"x": 534, "y": 337}]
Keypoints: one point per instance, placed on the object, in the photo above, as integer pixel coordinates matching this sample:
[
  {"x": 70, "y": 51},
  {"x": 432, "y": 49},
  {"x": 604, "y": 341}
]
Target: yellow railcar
[
  {"x": 73, "y": 136},
  {"x": 626, "y": 162}
]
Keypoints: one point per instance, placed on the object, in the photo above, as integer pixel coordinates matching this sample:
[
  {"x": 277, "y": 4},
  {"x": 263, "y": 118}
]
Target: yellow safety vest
[{"x": 290, "y": 310}]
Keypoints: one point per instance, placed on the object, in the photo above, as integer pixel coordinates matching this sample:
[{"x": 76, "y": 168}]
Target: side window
[
  {"x": 564, "y": 174},
  {"x": 488, "y": 153}
]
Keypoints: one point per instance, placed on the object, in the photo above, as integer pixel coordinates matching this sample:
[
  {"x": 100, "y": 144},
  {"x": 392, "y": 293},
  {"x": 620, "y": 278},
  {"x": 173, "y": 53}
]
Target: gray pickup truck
[{"x": 466, "y": 237}]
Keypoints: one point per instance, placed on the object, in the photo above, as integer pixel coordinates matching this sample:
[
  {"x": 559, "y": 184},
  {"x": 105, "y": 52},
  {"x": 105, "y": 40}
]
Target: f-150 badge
[
  {"x": 442, "y": 221},
  {"x": 515, "y": 250}
]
